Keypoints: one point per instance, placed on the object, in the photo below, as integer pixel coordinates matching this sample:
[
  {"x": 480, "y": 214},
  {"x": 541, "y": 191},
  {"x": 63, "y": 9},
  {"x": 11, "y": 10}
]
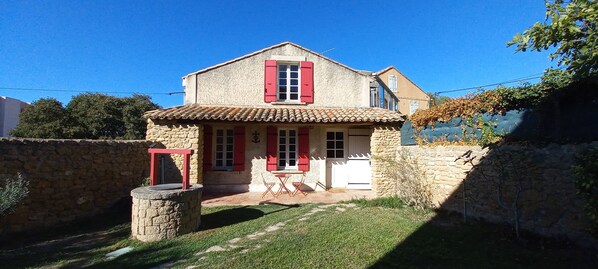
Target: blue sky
[{"x": 147, "y": 46}]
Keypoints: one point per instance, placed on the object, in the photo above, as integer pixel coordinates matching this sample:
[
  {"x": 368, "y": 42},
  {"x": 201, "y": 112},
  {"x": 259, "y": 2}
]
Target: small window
[
  {"x": 288, "y": 82},
  {"x": 392, "y": 83},
  {"x": 224, "y": 149},
  {"x": 335, "y": 145},
  {"x": 287, "y": 149},
  {"x": 413, "y": 106}
]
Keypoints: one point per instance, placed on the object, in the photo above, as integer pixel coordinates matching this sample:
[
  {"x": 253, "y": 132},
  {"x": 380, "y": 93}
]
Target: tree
[
  {"x": 135, "y": 106},
  {"x": 436, "y": 99},
  {"x": 87, "y": 116},
  {"x": 571, "y": 28},
  {"x": 44, "y": 118}
]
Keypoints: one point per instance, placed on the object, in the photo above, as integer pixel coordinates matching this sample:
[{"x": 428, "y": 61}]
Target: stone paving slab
[{"x": 255, "y": 198}]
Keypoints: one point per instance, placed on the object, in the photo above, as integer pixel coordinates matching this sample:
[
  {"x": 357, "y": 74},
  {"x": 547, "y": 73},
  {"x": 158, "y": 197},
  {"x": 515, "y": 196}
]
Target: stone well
[{"x": 165, "y": 211}]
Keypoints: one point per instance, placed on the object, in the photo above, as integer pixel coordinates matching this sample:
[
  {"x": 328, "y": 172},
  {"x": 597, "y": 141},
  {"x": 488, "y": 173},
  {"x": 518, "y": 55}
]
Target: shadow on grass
[{"x": 229, "y": 217}]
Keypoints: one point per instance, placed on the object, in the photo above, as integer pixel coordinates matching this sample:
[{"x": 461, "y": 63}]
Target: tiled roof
[{"x": 281, "y": 114}]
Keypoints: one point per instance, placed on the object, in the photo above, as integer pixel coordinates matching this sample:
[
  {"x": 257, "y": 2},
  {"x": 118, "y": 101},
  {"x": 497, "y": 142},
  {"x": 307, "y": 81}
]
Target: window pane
[
  {"x": 330, "y": 144},
  {"x": 339, "y": 153},
  {"x": 219, "y": 140},
  {"x": 330, "y": 153},
  {"x": 292, "y": 133},
  {"x": 229, "y": 155},
  {"x": 281, "y": 163},
  {"x": 281, "y": 148},
  {"x": 329, "y": 135},
  {"x": 294, "y": 75},
  {"x": 282, "y": 81},
  {"x": 229, "y": 163},
  {"x": 291, "y": 140},
  {"x": 339, "y": 135},
  {"x": 219, "y": 132},
  {"x": 282, "y": 67},
  {"x": 294, "y": 96},
  {"x": 292, "y": 163},
  {"x": 294, "y": 89},
  {"x": 282, "y": 141},
  {"x": 294, "y": 67},
  {"x": 294, "y": 82},
  {"x": 283, "y": 96},
  {"x": 292, "y": 148},
  {"x": 219, "y": 147},
  {"x": 339, "y": 144},
  {"x": 291, "y": 155},
  {"x": 218, "y": 163},
  {"x": 218, "y": 155}
]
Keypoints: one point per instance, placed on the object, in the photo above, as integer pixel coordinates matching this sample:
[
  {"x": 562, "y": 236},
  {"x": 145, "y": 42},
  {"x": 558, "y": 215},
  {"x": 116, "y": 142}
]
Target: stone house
[
  {"x": 411, "y": 97},
  {"x": 282, "y": 109}
]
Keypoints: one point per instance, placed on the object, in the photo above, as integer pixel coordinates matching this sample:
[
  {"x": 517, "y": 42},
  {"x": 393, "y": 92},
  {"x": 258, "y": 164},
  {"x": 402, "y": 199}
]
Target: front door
[{"x": 336, "y": 159}]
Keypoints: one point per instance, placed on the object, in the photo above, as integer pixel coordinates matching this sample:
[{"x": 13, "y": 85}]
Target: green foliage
[
  {"x": 388, "y": 202},
  {"x": 13, "y": 192},
  {"x": 571, "y": 28},
  {"x": 585, "y": 170},
  {"x": 44, "y": 118},
  {"x": 86, "y": 116},
  {"x": 436, "y": 100}
]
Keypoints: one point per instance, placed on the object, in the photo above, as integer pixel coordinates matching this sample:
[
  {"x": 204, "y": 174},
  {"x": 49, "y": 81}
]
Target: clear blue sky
[{"x": 147, "y": 46}]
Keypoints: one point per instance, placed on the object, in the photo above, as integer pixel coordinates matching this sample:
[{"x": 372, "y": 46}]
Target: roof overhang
[{"x": 277, "y": 114}]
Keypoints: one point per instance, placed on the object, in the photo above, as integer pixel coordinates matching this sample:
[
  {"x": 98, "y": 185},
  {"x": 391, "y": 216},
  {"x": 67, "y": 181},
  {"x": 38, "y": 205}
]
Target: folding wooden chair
[
  {"x": 269, "y": 186},
  {"x": 298, "y": 184}
]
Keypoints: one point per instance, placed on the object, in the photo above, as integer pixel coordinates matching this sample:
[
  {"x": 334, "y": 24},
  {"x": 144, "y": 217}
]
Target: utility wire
[
  {"x": 530, "y": 77},
  {"x": 88, "y": 91}
]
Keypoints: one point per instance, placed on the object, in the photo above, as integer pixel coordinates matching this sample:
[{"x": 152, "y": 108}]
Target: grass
[{"x": 377, "y": 234}]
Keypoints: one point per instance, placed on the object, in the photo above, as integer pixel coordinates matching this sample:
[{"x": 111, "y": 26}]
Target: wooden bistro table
[{"x": 283, "y": 178}]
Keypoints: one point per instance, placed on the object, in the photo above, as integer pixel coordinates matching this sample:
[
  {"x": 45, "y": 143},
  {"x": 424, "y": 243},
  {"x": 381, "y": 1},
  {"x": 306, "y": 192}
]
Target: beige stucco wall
[
  {"x": 241, "y": 83},
  {"x": 406, "y": 91},
  {"x": 255, "y": 161}
]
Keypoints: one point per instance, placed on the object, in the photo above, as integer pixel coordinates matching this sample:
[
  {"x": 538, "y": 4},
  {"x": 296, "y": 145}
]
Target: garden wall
[
  {"x": 470, "y": 184},
  {"x": 70, "y": 179}
]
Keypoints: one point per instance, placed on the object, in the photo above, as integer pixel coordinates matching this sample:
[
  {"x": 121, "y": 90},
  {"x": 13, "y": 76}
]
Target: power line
[
  {"x": 85, "y": 91},
  {"x": 530, "y": 77}
]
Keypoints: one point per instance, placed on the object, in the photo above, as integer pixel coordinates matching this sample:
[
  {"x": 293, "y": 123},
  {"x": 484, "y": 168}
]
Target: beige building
[
  {"x": 280, "y": 110},
  {"x": 411, "y": 97}
]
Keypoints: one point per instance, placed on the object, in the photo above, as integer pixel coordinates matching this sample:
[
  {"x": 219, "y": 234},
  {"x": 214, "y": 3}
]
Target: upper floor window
[
  {"x": 392, "y": 83},
  {"x": 288, "y": 82},
  {"x": 413, "y": 106}
]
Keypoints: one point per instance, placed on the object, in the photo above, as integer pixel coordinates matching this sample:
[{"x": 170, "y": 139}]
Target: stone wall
[
  {"x": 70, "y": 179},
  {"x": 548, "y": 201},
  {"x": 384, "y": 144},
  {"x": 173, "y": 135},
  {"x": 163, "y": 214}
]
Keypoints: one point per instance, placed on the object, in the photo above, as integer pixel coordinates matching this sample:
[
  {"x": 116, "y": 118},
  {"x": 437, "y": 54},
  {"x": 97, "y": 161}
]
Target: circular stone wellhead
[{"x": 165, "y": 212}]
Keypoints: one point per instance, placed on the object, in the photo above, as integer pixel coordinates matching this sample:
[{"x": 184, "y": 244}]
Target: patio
[{"x": 255, "y": 198}]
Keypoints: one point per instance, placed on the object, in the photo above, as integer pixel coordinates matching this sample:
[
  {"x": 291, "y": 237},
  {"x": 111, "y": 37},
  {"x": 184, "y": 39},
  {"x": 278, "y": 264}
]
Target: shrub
[
  {"x": 12, "y": 194},
  {"x": 388, "y": 202},
  {"x": 585, "y": 170}
]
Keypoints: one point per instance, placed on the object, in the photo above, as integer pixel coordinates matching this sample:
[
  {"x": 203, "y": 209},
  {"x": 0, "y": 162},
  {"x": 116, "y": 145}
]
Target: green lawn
[{"x": 305, "y": 236}]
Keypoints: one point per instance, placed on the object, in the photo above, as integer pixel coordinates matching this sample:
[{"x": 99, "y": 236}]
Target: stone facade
[
  {"x": 384, "y": 144},
  {"x": 70, "y": 179},
  {"x": 548, "y": 203},
  {"x": 173, "y": 135},
  {"x": 163, "y": 214}
]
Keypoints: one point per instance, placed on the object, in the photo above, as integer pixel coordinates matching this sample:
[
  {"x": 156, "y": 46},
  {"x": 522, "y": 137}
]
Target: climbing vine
[{"x": 585, "y": 170}]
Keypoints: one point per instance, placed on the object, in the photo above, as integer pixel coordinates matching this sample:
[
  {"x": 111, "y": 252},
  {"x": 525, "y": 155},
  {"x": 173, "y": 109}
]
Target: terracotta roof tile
[{"x": 282, "y": 114}]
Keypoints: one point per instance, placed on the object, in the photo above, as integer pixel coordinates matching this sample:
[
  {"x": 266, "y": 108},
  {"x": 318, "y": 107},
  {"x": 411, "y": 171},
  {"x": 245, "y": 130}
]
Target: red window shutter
[
  {"x": 303, "y": 149},
  {"x": 239, "y": 149},
  {"x": 307, "y": 82},
  {"x": 271, "y": 149},
  {"x": 207, "y": 148},
  {"x": 270, "y": 81}
]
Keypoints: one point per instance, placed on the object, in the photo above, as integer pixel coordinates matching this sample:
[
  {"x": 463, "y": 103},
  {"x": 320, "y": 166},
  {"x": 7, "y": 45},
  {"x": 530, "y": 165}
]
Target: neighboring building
[
  {"x": 10, "y": 109},
  {"x": 411, "y": 97},
  {"x": 282, "y": 109}
]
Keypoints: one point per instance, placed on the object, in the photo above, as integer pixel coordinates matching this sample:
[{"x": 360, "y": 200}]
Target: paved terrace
[{"x": 255, "y": 198}]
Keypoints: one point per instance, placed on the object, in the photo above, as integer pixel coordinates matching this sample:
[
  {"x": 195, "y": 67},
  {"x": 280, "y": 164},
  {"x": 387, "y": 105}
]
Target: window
[
  {"x": 288, "y": 82},
  {"x": 224, "y": 149},
  {"x": 392, "y": 83},
  {"x": 413, "y": 106},
  {"x": 335, "y": 145},
  {"x": 287, "y": 149}
]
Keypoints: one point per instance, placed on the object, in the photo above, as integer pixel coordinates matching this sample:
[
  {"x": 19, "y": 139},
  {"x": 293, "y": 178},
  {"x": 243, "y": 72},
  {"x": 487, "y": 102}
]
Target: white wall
[{"x": 10, "y": 109}]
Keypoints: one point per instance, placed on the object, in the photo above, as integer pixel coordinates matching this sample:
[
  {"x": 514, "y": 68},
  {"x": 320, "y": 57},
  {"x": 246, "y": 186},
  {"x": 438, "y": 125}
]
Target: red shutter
[
  {"x": 304, "y": 149},
  {"x": 239, "y": 149},
  {"x": 207, "y": 148},
  {"x": 307, "y": 82},
  {"x": 271, "y": 149},
  {"x": 270, "y": 81}
]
